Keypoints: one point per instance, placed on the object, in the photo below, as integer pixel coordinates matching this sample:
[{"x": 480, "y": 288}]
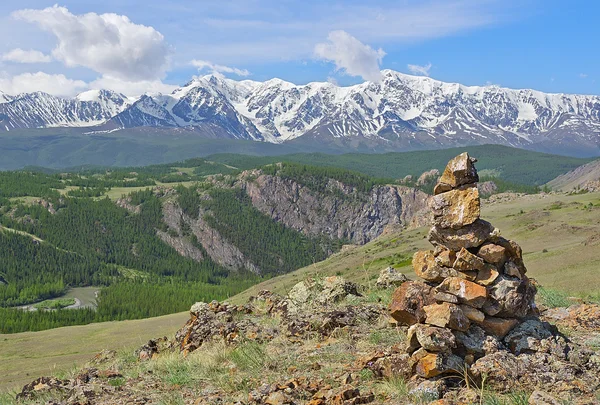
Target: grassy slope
[{"x": 562, "y": 229}]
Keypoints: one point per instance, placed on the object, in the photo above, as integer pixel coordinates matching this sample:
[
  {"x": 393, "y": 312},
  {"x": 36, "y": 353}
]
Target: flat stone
[
  {"x": 456, "y": 208},
  {"x": 492, "y": 253},
  {"x": 425, "y": 267},
  {"x": 459, "y": 171},
  {"x": 468, "y": 292},
  {"x": 408, "y": 301},
  {"x": 434, "y": 364},
  {"x": 466, "y": 260},
  {"x": 446, "y": 315},
  {"x": 469, "y": 236},
  {"x": 441, "y": 296},
  {"x": 498, "y": 327},
  {"x": 472, "y": 314}
]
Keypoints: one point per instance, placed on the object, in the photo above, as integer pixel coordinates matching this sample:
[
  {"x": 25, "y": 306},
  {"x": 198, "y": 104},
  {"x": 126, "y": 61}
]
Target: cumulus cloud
[
  {"x": 109, "y": 44},
  {"x": 132, "y": 88},
  {"x": 204, "y": 64},
  {"x": 420, "y": 70},
  {"x": 350, "y": 55},
  {"x": 58, "y": 85},
  {"x": 19, "y": 55}
]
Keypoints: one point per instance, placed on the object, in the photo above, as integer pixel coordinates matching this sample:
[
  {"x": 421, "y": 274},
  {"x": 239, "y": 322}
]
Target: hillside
[
  {"x": 578, "y": 178},
  {"x": 558, "y": 233}
]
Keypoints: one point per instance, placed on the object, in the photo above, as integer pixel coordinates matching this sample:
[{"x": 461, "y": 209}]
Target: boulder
[
  {"x": 526, "y": 336},
  {"x": 408, "y": 301},
  {"x": 459, "y": 171},
  {"x": 434, "y": 364},
  {"x": 446, "y": 315},
  {"x": 456, "y": 208},
  {"x": 468, "y": 292},
  {"x": 498, "y": 327},
  {"x": 390, "y": 277},
  {"x": 425, "y": 267},
  {"x": 515, "y": 297},
  {"x": 469, "y": 236}
]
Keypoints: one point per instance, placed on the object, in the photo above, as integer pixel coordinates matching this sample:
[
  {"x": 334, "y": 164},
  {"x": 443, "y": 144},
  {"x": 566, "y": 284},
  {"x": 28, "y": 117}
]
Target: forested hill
[{"x": 157, "y": 239}]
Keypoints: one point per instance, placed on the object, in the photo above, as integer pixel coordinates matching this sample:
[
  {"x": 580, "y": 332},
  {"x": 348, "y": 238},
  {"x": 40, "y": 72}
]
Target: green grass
[{"x": 55, "y": 304}]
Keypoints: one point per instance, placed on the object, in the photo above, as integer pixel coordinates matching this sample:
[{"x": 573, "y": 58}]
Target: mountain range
[{"x": 400, "y": 112}]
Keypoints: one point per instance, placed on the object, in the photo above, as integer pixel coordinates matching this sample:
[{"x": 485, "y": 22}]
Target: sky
[{"x": 155, "y": 45}]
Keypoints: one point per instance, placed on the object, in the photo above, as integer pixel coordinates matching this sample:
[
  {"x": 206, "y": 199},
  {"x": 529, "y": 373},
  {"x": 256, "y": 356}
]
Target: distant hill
[{"x": 577, "y": 177}]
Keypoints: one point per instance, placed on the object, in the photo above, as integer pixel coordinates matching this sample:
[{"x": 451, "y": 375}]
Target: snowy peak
[
  {"x": 5, "y": 98},
  {"x": 403, "y": 110}
]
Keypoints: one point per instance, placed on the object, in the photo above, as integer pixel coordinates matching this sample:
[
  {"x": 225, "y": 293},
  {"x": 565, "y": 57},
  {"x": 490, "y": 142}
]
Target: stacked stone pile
[{"x": 474, "y": 289}]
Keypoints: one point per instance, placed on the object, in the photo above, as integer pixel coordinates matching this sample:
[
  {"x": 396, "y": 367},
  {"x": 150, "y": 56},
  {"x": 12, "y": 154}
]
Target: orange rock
[
  {"x": 434, "y": 364},
  {"x": 487, "y": 275},
  {"x": 498, "y": 327},
  {"x": 492, "y": 253},
  {"x": 446, "y": 315},
  {"x": 408, "y": 301},
  {"x": 468, "y": 292},
  {"x": 445, "y": 257},
  {"x": 456, "y": 208}
]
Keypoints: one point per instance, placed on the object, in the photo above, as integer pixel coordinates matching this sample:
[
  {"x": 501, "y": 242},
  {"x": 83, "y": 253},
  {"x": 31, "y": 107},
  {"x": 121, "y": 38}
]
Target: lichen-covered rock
[
  {"x": 466, "y": 260},
  {"x": 476, "y": 341},
  {"x": 444, "y": 257},
  {"x": 469, "y": 236},
  {"x": 498, "y": 327},
  {"x": 514, "y": 296},
  {"x": 408, "y": 301},
  {"x": 538, "y": 397},
  {"x": 492, "y": 253},
  {"x": 390, "y": 277},
  {"x": 446, "y": 315},
  {"x": 456, "y": 208},
  {"x": 526, "y": 336},
  {"x": 435, "y": 339},
  {"x": 472, "y": 314}
]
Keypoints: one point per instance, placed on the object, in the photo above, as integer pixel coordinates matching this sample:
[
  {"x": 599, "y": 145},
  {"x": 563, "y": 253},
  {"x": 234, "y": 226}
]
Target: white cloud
[
  {"x": 132, "y": 88},
  {"x": 350, "y": 55},
  {"x": 583, "y": 75},
  {"x": 19, "y": 55},
  {"x": 420, "y": 70},
  {"x": 109, "y": 44},
  {"x": 203, "y": 64},
  {"x": 58, "y": 85}
]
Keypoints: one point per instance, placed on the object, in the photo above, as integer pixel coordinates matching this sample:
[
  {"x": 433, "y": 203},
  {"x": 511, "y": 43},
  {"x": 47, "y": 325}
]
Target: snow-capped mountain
[
  {"x": 42, "y": 110},
  {"x": 4, "y": 98},
  {"x": 402, "y": 110}
]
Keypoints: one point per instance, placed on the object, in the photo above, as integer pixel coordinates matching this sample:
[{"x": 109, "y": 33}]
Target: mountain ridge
[{"x": 402, "y": 111}]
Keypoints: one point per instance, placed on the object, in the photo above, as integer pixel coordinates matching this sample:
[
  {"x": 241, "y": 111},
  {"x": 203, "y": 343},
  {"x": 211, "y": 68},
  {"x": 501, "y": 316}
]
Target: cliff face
[
  {"x": 343, "y": 212},
  {"x": 337, "y": 211}
]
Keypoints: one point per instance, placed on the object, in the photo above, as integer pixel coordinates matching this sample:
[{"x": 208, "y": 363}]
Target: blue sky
[{"x": 80, "y": 44}]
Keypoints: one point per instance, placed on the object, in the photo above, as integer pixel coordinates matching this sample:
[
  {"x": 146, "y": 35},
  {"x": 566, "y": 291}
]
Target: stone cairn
[{"x": 475, "y": 290}]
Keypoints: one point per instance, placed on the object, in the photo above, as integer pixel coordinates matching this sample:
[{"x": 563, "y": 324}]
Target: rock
[
  {"x": 434, "y": 364},
  {"x": 408, "y": 301},
  {"x": 394, "y": 365},
  {"x": 444, "y": 257},
  {"x": 472, "y": 314},
  {"x": 526, "y": 336},
  {"x": 469, "y": 236},
  {"x": 459, "y": 171},
  {"x": 456, "y": 208},
  {"x": 446, "y": 315},
  {"x": 329, "y": 290},
  {"x": 440, "y": 296},
  {"x": 498, "y": 327},
  {"x": 277, "y": 398},
  {"x": 513, "y": 269},
  {"x": 390, "y": 277},
  {"x": 467, "y": 292},
  {"x": 515, "y": 297},
  {"x": 492, "y": 253},
  {"x": 487, "y": 275},
  {"x": 428, "y": 390},
  {"x": 502, "y": 370},
  {"x": 538, "y": 397},
  {"x": 466, "y": 260},
  {"x": 426, "y": 267},
  {"x": 475, "y": 341},
  {"x": 434, "y": 339}
]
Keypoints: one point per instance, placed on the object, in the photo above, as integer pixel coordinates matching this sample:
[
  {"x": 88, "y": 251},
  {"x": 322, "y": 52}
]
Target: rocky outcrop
[
  {"x": 344, "y": 213},
  {"x": 218, "y": 248}
]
